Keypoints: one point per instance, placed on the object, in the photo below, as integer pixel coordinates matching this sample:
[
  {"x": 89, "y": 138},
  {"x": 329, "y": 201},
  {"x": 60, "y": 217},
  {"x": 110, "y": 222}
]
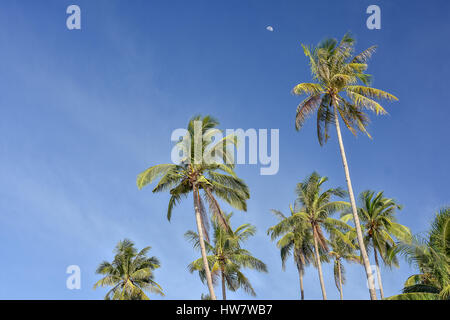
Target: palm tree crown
[
  {"x": 342, "y": 251},
  {"x": 226, "y": 256},
  {"x": 130, "y": 273},
  {"x": 337, "y": 73},
  {"x": 192, "y": 174},
  {"x": 431, "y": 256},
  {"x": 296, "y": 238},
  {"x": 378, "y": 216},
  {"x": 315, "y": 207}
]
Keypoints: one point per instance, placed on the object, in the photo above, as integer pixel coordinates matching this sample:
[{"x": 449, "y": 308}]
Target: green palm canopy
[
  {"x": 295, "y": 239},
  {"x": 381, "y": 229},
  {"x": 130, "y": 274},
  {"x": 315, "y": 207},
  {"x": 342, "y": 251},
  {"x": 215, "y": 179},
  {"x": 431, "y": 256},
  {"x": 227, "y": 257},
  {"x": 341, "y": 85}
]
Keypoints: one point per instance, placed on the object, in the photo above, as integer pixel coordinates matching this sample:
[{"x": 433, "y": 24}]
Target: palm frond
[
  {"x": 152, "y": 173},
  {"x": 306, "y": 108}
]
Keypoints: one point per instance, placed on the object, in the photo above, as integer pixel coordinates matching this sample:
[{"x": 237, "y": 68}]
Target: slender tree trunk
[
  {"x": 302, "y": 293},
  {"x": 340, "y": 281},
  {"x": 300, "y": 262},
  {"x": 362, "y": 247},
  {"x": 198, "y": 218},
  {"x": 380, "y": 284},
  {"x": 319, "y": 265},
  {"x": 224, "y": 290}
]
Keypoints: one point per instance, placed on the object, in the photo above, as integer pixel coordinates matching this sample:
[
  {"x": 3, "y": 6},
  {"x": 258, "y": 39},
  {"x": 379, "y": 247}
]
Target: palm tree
[
  {"x": 226, "y": 256},
  {"x": 380, "y": 228},
  {"x": 336, "y": 71},
  {"x": 315, "y": 208},
  {"x": 196, "y": 173},
  {"x": 431, "y": 255},
  {"x": 130, "y": 273},
  {"x": 342, "y": 251},
  {"x": 296, "y": 238}
]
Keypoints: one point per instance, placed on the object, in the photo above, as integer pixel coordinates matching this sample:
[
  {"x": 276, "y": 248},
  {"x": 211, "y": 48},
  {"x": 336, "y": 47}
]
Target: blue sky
[{"x": 83, "y": 112}]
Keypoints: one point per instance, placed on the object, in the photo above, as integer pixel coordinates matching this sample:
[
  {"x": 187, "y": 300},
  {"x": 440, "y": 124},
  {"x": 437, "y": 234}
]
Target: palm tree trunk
[
  {"x": 302, "y": 293},
  {"x": 224, "y": 290},
  {"x": 378, "y": 273},
  {"x": 340, "y": 281},
  {"x": 198, "y": 219},
  {"x": 300, "y": 262},
  {"x": 319, "y": 265},
  {"x": 362, "y": 247}
]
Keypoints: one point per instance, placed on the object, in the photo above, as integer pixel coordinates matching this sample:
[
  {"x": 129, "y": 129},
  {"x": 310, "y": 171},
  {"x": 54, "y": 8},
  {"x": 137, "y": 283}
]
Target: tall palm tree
[
  {"x": 296, "y": 238},
  {"x": 380, "y": 228},
  {"x": 341, "y": 89},
  {"x": 342, "y": 251},
  {"x": 227, "y": 257},
  {"x": 215, "y": 177},
  {"x": 431, "y": 256},
  {"x": 315, "y": 208},
  {"x": 130, "y": 273}
]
